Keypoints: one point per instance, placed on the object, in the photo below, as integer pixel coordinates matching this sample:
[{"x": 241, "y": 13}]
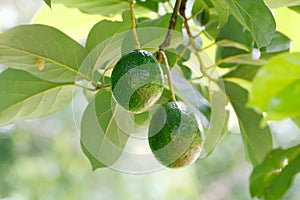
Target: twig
[
  {"x": 133, "y": 25},
  {"x": 167, "y": 41},
  {"x": 192, "y": 40}
]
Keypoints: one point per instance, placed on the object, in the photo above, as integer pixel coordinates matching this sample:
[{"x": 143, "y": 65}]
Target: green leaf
[
  {"x": 297, "y": 121},
  {"x": 273, "y": 177},
  {"x": 275, "y": 82},
  {"x": 188, "y": 93},
  {"x": 48, "y": 2},
  {"x": 142, "y": 118},
  {"x": 108, "y": 7},
  {"x": 102, "y": 138},
  {"x": 231, "y": 53},
  {"x": 282, "y": 3},
  {"x": 42, "y": 51},
  {"x": 255, "y": 16},
  {"x": 152, "y": 33},
  {"x": 105, "y": 30},
  {"x": 295, "y": 8},
  {"x": 257, "y": 140},
  {"x": 286, "y": 103},
  {"x": 222, "y": 11},
  {"x": 246, "y": 72},
  {"x": 279, "y": 43},
  {"x": 71, "y": 21},
  {"x": 198, "y": 6},
  {"x": 244, "y": 59},
  {"x": 24, "y": 96},
  {"x": 241, "y": 35},
  {"x": 230, "y": 43}
]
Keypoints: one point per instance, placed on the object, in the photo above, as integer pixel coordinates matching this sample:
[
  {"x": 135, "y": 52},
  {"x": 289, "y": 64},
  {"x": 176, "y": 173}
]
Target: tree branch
[{"x": 173, "y": 20}]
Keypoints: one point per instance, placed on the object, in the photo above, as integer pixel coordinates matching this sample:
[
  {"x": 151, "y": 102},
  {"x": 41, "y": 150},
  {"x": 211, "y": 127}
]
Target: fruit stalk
[
  {"x": 168, "y": 71},
  {"x": 133, "y": 25}
]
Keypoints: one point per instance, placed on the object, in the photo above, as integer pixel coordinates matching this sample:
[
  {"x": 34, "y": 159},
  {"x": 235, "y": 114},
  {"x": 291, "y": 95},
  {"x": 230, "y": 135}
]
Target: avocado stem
[
  {"x": 133, "y": 25},
  {"x": 168, "y": 71}
]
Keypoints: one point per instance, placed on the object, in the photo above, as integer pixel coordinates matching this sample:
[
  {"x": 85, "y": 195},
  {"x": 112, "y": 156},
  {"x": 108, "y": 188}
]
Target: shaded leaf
[
  {"x": 246, "y": 72},
  {"x": 295, "y": 8},
  {"x": 48, "y": 2},
  {"x": 255, "y": 16},
  {"x": 279, "y": 43},
  {"x": 270, "y": 83},
  {"x": 232, "y": 55},
  {"x": 102, "y": 138},
  {"x": 222, "y": 11},
  {"x": 257, "y": 140},
  {"x": 42, "y": 51},
  {"x": 273, "y": 177},
  {"x": 24, "y": 96}
]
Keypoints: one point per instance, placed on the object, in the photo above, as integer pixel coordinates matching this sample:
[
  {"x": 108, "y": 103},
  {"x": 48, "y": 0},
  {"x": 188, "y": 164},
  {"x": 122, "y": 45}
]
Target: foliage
[{"x": 254, "y": 69}]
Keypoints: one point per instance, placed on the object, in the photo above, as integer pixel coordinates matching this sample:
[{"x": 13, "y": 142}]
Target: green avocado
[
  {"x": 137, "y": 81},
  {"x": 174, "y": 135}
]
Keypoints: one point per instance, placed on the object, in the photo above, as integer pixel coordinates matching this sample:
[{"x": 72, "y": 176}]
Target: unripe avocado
[
  {"x": 137, "y": 81},
  {"x": 174, "y": 135}
]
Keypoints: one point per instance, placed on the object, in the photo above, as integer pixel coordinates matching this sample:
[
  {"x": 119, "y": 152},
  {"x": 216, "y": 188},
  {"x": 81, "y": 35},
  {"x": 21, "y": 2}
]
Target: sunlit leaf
[
  {"x": 257, "y": 140},
  {"x": 69, "y": 20},
  {"x": 42, "y": 51},
  {"x": 273, "y": 177},
  {"x": 105, "y": 31},
  {"x": 107, "y": 7},
  {"x": 151, "y": 34},
  {"x": 286, "y": 103},
  {"x": 246, "y": 59},
  {"x": 276, "y": 87},
  {"x": 24, "y": 96},
  {"x": 282, "y": 3},
  {"x": 230, "y": 43},
  {"x": 297, "y": 121},
  {"x": 102, "y": 138}
]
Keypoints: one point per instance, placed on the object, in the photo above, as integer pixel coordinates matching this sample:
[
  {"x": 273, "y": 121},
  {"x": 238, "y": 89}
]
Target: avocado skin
[
  {"x": 137, "y": 81},
  {"x": 174, "y": 135}
]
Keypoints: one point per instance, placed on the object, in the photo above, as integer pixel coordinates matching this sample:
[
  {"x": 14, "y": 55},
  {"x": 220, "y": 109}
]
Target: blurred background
[{"x": 41, "y": 158}]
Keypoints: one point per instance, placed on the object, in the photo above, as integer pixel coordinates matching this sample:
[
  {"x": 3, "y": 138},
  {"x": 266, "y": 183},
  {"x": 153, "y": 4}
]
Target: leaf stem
[
  {"x": 168, "y": 71},
  {"x": 133, "y": 25}
]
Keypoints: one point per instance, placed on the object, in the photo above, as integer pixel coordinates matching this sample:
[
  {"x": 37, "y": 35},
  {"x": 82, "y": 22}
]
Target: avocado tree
[{"x": 174, "y": 70}]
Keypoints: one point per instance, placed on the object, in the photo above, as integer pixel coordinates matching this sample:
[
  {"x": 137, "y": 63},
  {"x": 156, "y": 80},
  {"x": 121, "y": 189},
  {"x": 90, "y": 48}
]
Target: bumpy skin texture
[
  {"x": 174, "y": 135},
  {"x": 137, "y": 81}
]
